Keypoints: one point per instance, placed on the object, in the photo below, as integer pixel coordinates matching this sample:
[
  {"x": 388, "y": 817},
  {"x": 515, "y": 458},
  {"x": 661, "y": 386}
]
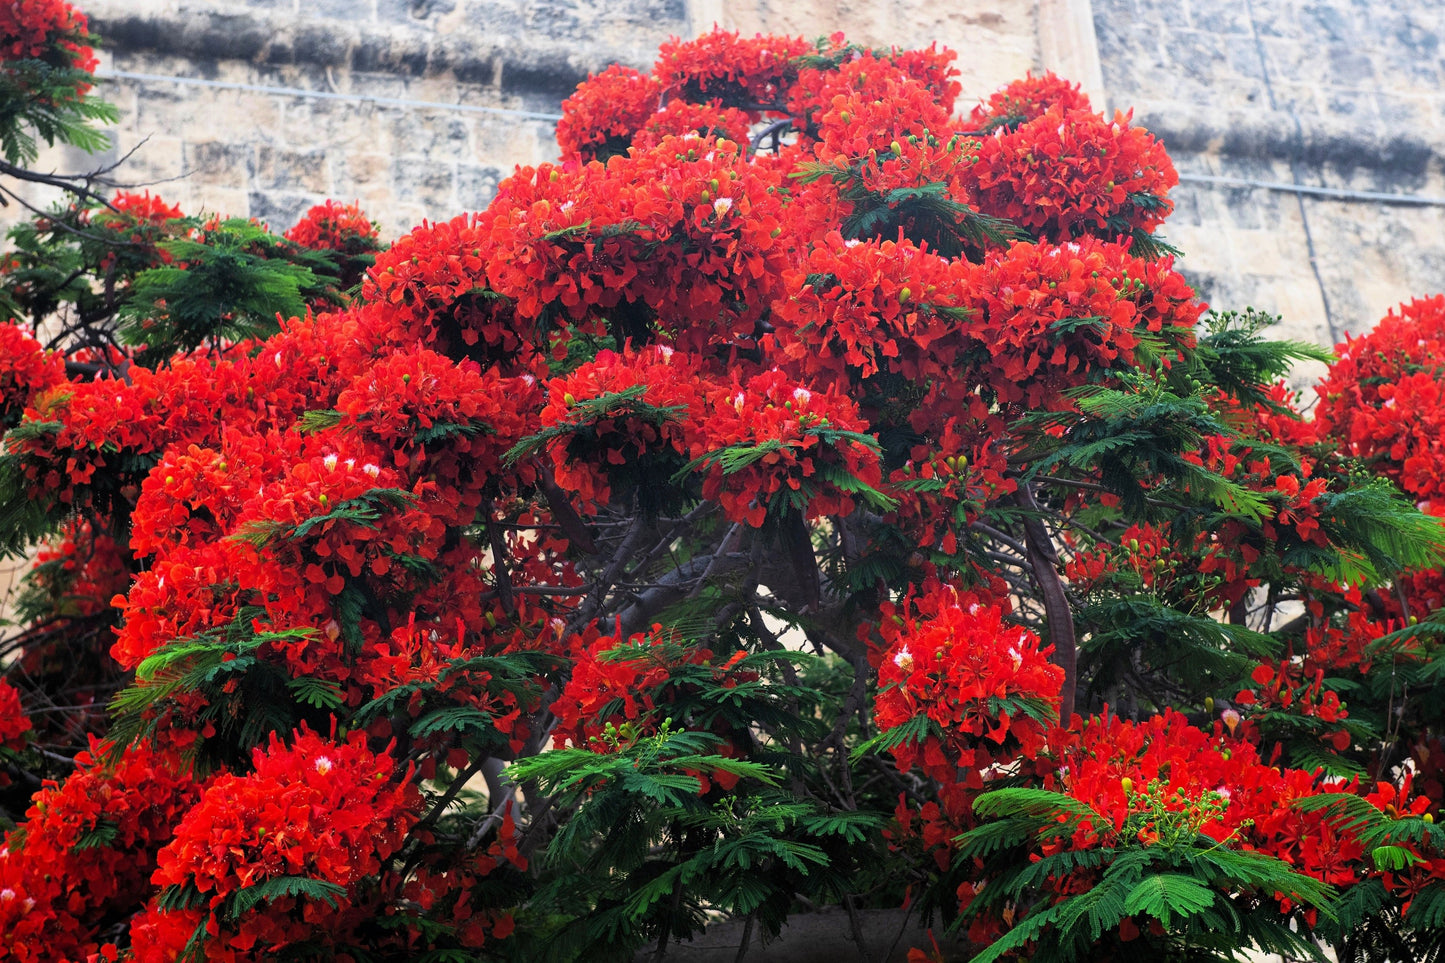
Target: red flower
[
  {"x": 738, "y": 72},
  {"x": 14, "y": 723},
  {"x": 336, "y": 227},
  {"x": 26, "y": 371},
  {"x": 328, "y": 811},
  {"x": 85, "y": 853},
  {"x": 639, "y": 433},
  {"x": 857, "y": 309},
  {"x": 1067, "y": 173},
  {"x": 31, "y": 29},
  {"x": 1025, "y": 99},
  {"x": 1047, "y": 318},
  {"x": 987, "y": 685},
  {"x": 607, "y": 109},
  {"x": 791, "y": 433}
]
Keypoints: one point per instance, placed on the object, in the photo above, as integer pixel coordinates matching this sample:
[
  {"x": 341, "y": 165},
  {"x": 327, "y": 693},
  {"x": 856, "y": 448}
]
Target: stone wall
[{"x": 1343, "y": 98}]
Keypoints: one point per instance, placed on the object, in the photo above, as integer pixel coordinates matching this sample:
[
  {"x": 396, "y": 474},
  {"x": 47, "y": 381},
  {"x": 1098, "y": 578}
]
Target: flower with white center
[
  {"x": 904, "y": 659},
  {"x": 370, "y": 469},
  {"x": 323, "y": 764},
  {"x": 330, "y": 462},
  {"x": 801, "y": 395},
  {"x": 722, "y": 205}
]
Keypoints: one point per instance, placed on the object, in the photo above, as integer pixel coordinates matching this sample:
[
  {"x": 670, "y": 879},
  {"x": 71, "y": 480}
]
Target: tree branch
[{"x": 1044, "y": 561}]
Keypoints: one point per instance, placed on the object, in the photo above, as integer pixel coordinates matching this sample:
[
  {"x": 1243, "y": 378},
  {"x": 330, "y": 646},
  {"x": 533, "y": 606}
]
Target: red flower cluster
[
  {"x": 299, "y": 542},
  {"x": 1383, "y": 398},
  {"x": 1285, "y": 687},
  {"x": 14, "y": 723},
  {"x": 86, "y": 851},
  {"x": 684, "y": 118},
  {"x": 621, "y": 418},
  {"x": 856, "y": 309},
  {"x": 335, "y": 227},
  {"x": 678, "y": 240},
  {"x": 1427, "y": 863},
  {"x": 29, "y": 29},
  {"x": 325, "y": 810},
  {"x": 615, "y": 684},
  {"x": 746, "y": 73},
  {"x": 430, "y": 286},
  {"x": 1142, "y": 549},
  {"x": 948, "y": 479},
  {"x": 138, "y": 222},
  {"x": 607, "y": 109},
  {"x": 1049, "y": 317},
  {"x": 816, "y": 86},
  {"x": 1026, "y": 99},
  {"x": 987, "y": 685},
  {"x": 443, "y": 423},
  {"x": 867, "y": 104},
  {"x": 26, "y": 371},
  {"x": 1149, "y": 779},
  {"x": 1068, "y": 173},
  {"x": 140, "y": 208},
  {"x": 769, "y": 439},
  {"x": 1233, "y": 548}
]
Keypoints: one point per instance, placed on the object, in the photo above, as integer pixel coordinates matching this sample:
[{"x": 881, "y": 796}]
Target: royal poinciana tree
[{"x": 804, "y": 493}]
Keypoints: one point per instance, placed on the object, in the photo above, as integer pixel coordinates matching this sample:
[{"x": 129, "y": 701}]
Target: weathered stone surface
[{"x": 1340, "y": 94}]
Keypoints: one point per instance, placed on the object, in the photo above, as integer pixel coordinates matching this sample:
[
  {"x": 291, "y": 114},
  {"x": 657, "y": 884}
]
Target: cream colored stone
[{"x": 997, "y": 40}]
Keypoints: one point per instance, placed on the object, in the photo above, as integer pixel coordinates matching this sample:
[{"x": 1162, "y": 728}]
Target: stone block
[
  {"x": 279, "y": 210},
  {"x": 400, "y": 11},
  {"x": 476, "y": 186},
  {"x": 428, "y": 182},
  {"x": 217, "y": 163},
  {"x": 286, "y": 171}
]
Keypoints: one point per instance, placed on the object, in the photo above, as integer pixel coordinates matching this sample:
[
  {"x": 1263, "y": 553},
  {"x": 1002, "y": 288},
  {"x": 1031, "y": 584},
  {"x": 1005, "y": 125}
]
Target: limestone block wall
[
  {"x": 414, "y": 107},
  {"x": 1338, "y": 105}
]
